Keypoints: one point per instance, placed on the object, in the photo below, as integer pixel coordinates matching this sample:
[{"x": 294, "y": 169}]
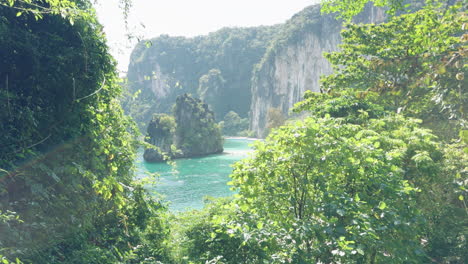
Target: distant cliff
[
  {"x": 216, "y": 68},
  {"x": 251, "y": 71},
  {"x": 294, "y": 62},
  {"x": 191, "y": 132}
]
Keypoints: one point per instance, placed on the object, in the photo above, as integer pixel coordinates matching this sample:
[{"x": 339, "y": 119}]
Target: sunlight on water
[{"x": 196, "y": 178}]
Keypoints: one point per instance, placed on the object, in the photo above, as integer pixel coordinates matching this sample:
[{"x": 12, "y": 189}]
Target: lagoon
[{"x": 185, "y": 185}]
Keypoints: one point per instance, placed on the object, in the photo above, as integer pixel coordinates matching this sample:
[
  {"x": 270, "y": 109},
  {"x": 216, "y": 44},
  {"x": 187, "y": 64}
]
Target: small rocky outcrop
[
  {"x": 160, "y": 134},
  {"x": 191, "y": 132},
  {"x": 197, "y": 132}
]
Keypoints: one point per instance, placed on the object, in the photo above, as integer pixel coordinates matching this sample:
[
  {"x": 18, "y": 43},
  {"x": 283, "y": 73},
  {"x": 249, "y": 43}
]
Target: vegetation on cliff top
[
  {"x": 218, "y": 67},
  {"x": 192, "y": 131}
]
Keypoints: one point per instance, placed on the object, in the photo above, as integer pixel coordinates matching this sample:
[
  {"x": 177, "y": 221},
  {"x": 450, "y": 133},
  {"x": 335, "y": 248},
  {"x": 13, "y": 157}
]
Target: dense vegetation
[
  {"x": 67, "y": 193},
  {"x": 234, "y": 125},
  {"x": 191, "y": 132},
  {"x": 375, "y": 172},
  {"x": 415, "y": 62}
]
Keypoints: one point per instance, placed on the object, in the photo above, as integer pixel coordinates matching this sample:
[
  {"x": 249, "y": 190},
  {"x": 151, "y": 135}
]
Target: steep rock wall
[
  {"x": 295, "y": 62},
  {"x": 160, "y": 134}
]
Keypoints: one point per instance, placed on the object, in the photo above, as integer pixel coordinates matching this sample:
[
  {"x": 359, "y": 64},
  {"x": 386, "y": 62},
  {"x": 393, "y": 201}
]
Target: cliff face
[{"x": 295, "y": 62}]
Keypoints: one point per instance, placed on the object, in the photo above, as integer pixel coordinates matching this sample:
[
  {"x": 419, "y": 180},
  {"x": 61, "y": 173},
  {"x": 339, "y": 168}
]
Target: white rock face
[
  {"x": 160, "y": 83},
  {"x": 283, "y": 77},
  {"x": 294, "y": 70},
  {"x": 150, "y": 79}
]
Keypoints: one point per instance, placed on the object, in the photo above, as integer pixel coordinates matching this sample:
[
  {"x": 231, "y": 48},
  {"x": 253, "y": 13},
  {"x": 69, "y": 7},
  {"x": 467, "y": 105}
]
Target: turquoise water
[{"x": 192, "y": 179}]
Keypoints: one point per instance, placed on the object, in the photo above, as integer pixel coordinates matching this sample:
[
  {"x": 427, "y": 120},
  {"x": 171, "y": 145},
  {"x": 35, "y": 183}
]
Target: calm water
[{"x": 192, "y": 179}]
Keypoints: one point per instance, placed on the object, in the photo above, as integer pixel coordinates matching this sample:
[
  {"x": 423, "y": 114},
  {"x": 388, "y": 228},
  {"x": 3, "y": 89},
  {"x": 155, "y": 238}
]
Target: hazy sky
[{"x": 151, "y": 18}]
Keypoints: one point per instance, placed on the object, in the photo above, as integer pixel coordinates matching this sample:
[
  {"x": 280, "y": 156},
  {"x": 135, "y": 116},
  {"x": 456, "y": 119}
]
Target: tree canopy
[
  {"x": 67, "y": 193},
  {"x": 414, "y": 61}
]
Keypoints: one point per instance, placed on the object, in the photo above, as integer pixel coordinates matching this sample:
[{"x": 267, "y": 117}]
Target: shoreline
[{"x": 246, "y": 138}]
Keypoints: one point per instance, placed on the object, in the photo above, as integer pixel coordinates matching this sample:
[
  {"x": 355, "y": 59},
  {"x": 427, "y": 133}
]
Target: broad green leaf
[{"x": 382, "y": 205}]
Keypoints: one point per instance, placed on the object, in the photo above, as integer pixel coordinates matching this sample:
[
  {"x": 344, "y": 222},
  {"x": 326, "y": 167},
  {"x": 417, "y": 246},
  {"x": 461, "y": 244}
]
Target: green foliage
[
  {"x": 234, "y": 125},
  {"x": 66, "y": 164},
  {"x": 339, "y": 192},
  {"x": 348, "y": 9},
  {"x": 414, "y": 61},
  {"x": 66, "y": 9},
  {"x": 210, "y": 236},
  {"x": 275, "y": 119},
  {"x": 443, "y": 201},
  {"x": 4, "y": 260},
  {"x": 352, "y": 184},
  {"x": 356, "y": 182},
  {"x": 353, "y": 107}
]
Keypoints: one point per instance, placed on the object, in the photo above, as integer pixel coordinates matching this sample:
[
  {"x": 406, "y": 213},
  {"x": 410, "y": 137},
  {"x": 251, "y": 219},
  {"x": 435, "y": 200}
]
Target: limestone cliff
[
  {"x": 166, "y": 67},
  {"x": 197, "y": 132},
  {"x": 294, "y": 62},
  {"x": 192, "y": 131}
]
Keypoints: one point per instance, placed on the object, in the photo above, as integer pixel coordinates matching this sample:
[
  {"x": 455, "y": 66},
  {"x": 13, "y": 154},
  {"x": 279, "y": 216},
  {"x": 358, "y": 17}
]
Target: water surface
[{"x": 192, "y": 179}]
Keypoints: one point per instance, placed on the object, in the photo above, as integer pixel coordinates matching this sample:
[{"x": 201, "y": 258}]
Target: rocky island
[{"x": 190, "y": 132}]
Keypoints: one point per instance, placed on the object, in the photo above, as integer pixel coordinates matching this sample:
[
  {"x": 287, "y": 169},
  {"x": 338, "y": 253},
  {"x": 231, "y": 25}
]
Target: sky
[{"x": 151, "y": 18}]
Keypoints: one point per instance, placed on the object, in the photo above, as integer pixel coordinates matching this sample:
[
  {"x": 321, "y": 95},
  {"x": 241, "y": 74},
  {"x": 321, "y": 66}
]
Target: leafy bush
[
  {"x": 339, "y": 192},
  {"x": 207, "y": 236}
]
